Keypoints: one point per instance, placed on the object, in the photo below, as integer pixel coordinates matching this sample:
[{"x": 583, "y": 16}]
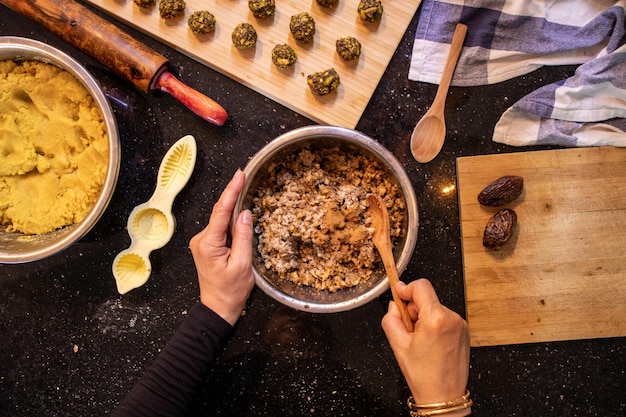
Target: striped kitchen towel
[{"x": 509, "y": 38}]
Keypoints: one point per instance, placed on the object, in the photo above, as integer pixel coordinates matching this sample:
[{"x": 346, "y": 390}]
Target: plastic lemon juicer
[{"x": 151, "y": 224}]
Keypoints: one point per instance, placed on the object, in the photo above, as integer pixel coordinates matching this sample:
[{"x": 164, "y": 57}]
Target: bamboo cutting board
[
  {"x": 562, "y": 276},
  {"x": 255, "y": 69}
]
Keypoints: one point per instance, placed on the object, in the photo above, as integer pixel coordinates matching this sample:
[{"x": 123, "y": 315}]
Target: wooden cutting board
[
  {"x": 562, "y": 276},
  {"x": 255, "y": 69}
]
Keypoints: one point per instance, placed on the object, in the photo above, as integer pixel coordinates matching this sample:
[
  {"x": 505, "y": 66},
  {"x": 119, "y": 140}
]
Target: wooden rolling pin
[{"x": 117, "y": 50}]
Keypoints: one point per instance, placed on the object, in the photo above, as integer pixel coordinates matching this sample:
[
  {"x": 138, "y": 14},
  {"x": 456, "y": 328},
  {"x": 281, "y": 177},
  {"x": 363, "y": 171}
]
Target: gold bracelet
[
  {"x": 438, "y": 411},
  {"x": 426, "y": 410},
  {"x": 446, "y": 404}
]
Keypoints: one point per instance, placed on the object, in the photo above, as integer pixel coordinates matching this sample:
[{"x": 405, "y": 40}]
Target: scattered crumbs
[{"x": 112, "y": 317}]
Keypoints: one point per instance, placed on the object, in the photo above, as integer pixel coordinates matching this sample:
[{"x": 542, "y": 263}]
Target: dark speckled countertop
[{"x": 72, "y": 346}]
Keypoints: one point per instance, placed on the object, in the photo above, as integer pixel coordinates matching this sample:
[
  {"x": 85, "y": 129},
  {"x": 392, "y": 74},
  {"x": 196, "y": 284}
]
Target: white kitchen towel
[{"x": 509, "y": 38}]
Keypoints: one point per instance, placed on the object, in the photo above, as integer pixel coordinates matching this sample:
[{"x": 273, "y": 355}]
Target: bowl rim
[
  {"x": 355, "y": 137},
  {"x": 30, "y": 49}
]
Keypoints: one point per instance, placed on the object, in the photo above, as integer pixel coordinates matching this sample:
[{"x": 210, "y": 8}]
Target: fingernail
[
  {"x": 246, "y": 217},
  {"x": 238, "y": 173}
]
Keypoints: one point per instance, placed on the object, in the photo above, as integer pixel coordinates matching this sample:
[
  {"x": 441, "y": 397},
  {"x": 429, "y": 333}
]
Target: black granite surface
[{"x": 72, "y": 346}]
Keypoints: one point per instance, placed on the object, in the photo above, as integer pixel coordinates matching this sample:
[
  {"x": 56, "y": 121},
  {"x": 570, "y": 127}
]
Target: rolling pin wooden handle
[
  {"x": 198, "y": 103},
  {"x": 117, "y": 50}
]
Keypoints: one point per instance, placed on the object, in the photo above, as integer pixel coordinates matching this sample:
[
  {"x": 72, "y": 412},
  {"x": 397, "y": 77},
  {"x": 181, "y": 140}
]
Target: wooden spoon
[
  {"x": 430, "y": 132},
  {"x": 382, "y": 241}
]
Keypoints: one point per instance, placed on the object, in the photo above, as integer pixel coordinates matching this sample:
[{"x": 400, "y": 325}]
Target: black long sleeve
[{"x": 170, "y": 384}]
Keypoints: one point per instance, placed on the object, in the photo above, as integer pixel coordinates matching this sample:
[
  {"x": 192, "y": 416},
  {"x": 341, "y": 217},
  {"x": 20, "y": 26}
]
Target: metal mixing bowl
[
  {"x": 316, "y": 137},
  {"x": 20, "y": 248}
]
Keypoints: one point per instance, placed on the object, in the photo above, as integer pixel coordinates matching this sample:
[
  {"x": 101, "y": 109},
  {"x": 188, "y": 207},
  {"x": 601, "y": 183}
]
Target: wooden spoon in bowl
[
  {"x": 430, "y": 132},
  {"x": 382, "y": 241}
]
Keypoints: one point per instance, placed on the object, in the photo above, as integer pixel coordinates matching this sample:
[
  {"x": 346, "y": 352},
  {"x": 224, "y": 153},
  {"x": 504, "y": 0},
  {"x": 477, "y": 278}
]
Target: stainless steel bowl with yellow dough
[{"x": 59, "y": 150}]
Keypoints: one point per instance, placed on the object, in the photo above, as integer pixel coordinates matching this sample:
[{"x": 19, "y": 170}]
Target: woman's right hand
[{"x": 434, "y": 358}]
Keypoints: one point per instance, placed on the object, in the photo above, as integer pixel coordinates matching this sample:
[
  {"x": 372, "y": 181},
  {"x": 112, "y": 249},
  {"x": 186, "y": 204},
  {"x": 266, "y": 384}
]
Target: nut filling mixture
[{"x": 311, "y": 218}]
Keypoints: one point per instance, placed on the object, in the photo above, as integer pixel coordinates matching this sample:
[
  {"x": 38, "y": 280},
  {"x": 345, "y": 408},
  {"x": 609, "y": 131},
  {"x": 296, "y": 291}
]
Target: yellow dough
[{"x": 53, "y": 148}]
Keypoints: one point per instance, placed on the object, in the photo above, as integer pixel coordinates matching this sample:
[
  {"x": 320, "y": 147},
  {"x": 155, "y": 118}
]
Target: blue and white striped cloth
[{"x": 510, "y": 38}]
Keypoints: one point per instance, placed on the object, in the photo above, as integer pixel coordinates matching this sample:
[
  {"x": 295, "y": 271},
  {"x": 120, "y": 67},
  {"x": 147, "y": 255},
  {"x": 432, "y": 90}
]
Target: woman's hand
[
  {"x": 434, "y": 358},
  {"x": 225, "y": 274}
]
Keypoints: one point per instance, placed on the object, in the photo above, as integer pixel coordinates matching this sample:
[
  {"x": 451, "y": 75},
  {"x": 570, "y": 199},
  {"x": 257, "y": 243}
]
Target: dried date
[
  {"x": 499, "y": 228},
  {"x": 502, "y": 191}
]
